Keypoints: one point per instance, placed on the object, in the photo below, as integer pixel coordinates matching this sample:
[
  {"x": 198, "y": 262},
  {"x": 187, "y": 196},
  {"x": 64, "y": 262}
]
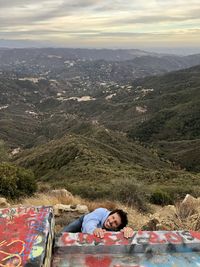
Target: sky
[{"x": 103, "y": 23}]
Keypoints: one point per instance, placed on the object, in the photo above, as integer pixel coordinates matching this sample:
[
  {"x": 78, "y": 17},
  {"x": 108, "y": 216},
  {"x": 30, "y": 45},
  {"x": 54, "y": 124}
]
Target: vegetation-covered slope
[
  {"x": 71, "y": 148},
  {"x": 174, "y": 105},
  {"x": 186, "y": 153},
  {"x": 97, "y": 165},
  {"x": 174, "y": 119}
]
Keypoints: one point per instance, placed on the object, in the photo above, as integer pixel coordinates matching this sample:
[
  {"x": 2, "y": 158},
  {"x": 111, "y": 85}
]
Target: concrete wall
[
  {"x": 162, "y": 248},
  {"x": 26, "y": 236},
  {"x": 122, "y": 260},
  {"x": 26, "y": 240}
]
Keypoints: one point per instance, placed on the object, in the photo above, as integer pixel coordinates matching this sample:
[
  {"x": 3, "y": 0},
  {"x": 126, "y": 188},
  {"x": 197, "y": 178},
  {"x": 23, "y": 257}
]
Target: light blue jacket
[{"x": 94, "y": 220}]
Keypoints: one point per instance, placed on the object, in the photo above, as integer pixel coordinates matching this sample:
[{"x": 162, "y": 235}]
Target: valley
[{"x": 101, "y": 121}]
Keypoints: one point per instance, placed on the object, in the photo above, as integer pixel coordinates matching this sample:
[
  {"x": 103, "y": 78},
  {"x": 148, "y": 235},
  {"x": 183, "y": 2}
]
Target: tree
[{"x": 16, "y": 181}]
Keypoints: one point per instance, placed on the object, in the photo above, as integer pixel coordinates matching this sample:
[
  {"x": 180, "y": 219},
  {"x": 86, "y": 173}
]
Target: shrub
[
  {"x": 3, "y": 151},
  {"x": 179, "y": 192},
  {"x": 90, "y": 191},
  {"x": 16, "y": 181},
  {"x": 160, "y": 197},
  {"x": 130, "y": 192}
]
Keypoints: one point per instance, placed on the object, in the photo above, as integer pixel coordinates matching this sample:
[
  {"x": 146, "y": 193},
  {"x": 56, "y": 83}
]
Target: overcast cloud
[{"x": 102, "y": 23}]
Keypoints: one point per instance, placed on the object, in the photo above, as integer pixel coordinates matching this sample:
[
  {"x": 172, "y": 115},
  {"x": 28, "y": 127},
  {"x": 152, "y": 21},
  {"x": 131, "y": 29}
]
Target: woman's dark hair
[{"x": 123, "y": 215}]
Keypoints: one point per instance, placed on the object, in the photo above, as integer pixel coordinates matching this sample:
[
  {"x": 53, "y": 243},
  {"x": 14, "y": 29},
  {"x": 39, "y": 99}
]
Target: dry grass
[
  {"x": 136, "y": 219},
  {"x": 186, "y": 210},
  {"x": 187, "y": 215},
  {"x": 92, "y": 205},
  {"x": 49, "y": 200}
]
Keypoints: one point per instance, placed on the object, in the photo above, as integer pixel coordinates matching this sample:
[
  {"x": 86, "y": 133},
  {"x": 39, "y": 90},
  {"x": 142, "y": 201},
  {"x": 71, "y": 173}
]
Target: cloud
[{"x": 102, "y": 19}]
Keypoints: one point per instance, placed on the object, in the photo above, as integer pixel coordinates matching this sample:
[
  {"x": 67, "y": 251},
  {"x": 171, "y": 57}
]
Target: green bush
[
  {"x": 16, "y": 181},
  {"x": 130, "y": 192},
  {"x": 179, "y": 192},
  {"x": 160, "y": 197},
  {"x": 90, "y": 191},
  {"x": 3, "y": 151}
]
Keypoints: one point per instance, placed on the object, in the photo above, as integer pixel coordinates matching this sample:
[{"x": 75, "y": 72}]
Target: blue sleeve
[{"x": 93, "y": 220}]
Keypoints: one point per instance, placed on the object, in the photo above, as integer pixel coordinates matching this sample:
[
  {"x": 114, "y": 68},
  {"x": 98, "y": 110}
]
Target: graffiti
[
  {"x": 23, "y": 235},
  {"x": 107, "y": 261},
  {"x": 122, "y": 260},
  {"x": 144, "y": 249},
  {"x": 92, "y": 261},
  {"x": 139, "y": 238},
  {"x": 69, "y": 239},
  {"x": 138, "y": 260},
  {"x": 89, "y": 260},
  {"x": 158, "y": 238},
  {"x": 12, "y": 253}
]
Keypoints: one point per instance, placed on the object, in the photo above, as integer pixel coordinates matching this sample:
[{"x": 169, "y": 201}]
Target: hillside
[
  {"x": 173, "y": 122},
  {"x": 33, "y": 112},
  {"x": 100, "y": 164},
  {"x": 75, "y": 131},
  {"x": 185, "y": 153}
]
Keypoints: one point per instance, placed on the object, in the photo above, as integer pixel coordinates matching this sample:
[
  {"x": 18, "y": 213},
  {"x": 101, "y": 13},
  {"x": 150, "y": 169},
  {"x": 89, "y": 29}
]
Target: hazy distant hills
[
  {"x": 96, "y": 65},
  {"x": 60, "y": 54}
]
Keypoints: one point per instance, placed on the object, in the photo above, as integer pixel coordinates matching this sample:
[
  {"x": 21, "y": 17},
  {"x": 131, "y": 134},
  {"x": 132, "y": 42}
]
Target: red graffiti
[
  {"x": 12, "y": 252},
  {"x": 119, "y": 265},
  {"x": 173, "y": 238},
  {"x": 155, "y": 238},
  {"x": 19, "y": 228},
  {"x": 140, "y": 232},
  {"x": 122, "y": 240},
  {"x": 108, "y": 240},
  {"x": 92, "y": 238},
  {"x": 159, "y": 238},
  {"x": 195, "y": 234},
  {"x": 80, "y": 238},
  {"x": 92, "y": 261},
  {"x": 67, "y": 240}
]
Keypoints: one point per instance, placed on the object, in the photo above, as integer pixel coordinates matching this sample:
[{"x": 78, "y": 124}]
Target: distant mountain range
[
  {"x": 26, "y": 43},
  {"x": 90, "y": 65},
  {"x": 22, "y": 44},
  {"x": 78, "y": 115}
]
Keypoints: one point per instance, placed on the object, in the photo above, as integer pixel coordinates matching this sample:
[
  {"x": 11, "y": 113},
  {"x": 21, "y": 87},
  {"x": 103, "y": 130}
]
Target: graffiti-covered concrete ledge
[
  {"x": 26, "y": 236},
  {"x": 26, "y": 239},
  {"x": 141, "y": 242},
  {"x": 162, "y": 248}
]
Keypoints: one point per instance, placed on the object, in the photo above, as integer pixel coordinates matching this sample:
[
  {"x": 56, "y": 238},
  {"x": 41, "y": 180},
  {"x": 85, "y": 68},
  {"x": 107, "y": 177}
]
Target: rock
[
  {"x": 165, "y": 219},
  {"x": 82, "y": 209},
  {"x": 188, "y": 206},
  {"x": 61, "y": 193},
  {"x": 60, "y": 208},
  {"x": 4, "y": 203},
  {"x": 189, "y": 200}
]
